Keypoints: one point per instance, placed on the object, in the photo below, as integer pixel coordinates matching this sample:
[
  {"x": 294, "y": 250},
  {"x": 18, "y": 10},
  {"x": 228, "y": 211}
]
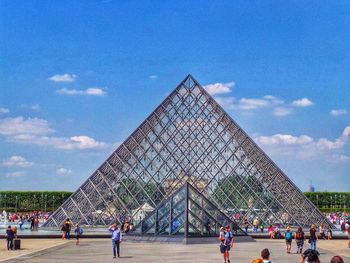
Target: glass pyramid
[
  {"x": 186, "y": 212},
  {"x": 188, "y": 138}
]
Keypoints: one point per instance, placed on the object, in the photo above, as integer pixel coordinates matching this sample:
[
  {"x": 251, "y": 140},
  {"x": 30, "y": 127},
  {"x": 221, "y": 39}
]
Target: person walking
[
  {"x": 255, "y": 224},
  {"x": 288, "y": 235},
  {"x": 329, "y": 233},
  {"x": 228, "y": 242},
  {"x": 9, "y": 237},
  {"x": 313, "y": 237},
  {"x": 299, "y": 239},
  {"x": 67, "y": 227},
  {"x": 223, "y": 243},
  {"x": 270, "y": 231},
  {"x": 21, "y": 222},
  {"x": 116, "y": 239},
  {"x": 78, "y": 233}
]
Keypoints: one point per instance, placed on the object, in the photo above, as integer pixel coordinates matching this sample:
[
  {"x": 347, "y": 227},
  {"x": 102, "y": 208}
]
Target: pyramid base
[{"x": 183, "y": 240}]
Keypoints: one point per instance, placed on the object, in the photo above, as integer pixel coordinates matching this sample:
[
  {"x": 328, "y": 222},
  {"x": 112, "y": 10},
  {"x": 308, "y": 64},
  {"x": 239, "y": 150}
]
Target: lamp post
[
  {"x": 16, "y": 203},
  {"x": 34, "y": 202},
  {"x": 53, "y": 202},
  {"x": 317, "y": 199},
  {"x": 45, "y": 201},
  {"x": 331, "y": 205}
]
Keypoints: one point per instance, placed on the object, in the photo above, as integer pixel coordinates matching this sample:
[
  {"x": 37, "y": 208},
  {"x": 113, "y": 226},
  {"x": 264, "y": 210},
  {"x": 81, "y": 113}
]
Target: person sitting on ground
[
  {"x": 337, "y": 259},
  {"x": 265, "y": 254},
  {"x": 310, "y": 256}
]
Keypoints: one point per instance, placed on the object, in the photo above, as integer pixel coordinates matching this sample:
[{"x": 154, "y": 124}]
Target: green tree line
[{"x": 24, "y": 201}]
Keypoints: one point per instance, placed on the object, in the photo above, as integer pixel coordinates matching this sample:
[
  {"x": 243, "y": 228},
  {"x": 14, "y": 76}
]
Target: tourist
[
  {"x": 348, "y": 230},
  {"x": 67, "y": 226},
  {"x": 223, "y": 243},
  {"x": 329, "y": 233},
  {"x": 265, "y": 254},
  {"x": 337, "y": 259},
  {"x": 21, "y": 222},
  {"x": 321, "y": 229},
  {"x": 36, "y": 223},
  {"x": 310, "y": 256},
  {"x": 255, "y": 224},
  {"x": 78, "y": 233},
  {"x": 63, "y": 229},
  {"x": 313, "y": 237},
  {"x": 9, "y": 236},
  {"x": 270, "y": 231},
  {"x": 262, "y": 228},
  {"x": 288, "y": 235},
  {"x": 32, "y": 222},
  {"x": 246, "y": 225},
  {"x": 299, "y": 239},
  {"x": 116, "y": 239},
  {"x": 228, "y": 242}
]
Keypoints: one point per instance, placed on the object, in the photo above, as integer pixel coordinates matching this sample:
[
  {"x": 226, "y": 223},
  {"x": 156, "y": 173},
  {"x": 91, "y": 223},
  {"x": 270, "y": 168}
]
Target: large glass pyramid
[
  {"x": 186, "y": 212},
  {"x": 188, "y": 138}
]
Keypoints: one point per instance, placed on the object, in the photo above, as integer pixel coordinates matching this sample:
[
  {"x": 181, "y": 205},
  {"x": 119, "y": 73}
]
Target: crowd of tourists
[{"x": 34, "y": 219}]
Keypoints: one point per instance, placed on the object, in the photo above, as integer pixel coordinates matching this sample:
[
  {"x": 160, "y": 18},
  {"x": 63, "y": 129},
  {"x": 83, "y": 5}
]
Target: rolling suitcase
[{"x": 17, "y": 244}]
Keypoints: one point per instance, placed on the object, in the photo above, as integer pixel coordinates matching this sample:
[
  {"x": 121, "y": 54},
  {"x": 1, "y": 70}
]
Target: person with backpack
[
  {"x": 299, "y": 239},
  {"x": 288, "y": 235},
  {"x": 78, "y": 233}
]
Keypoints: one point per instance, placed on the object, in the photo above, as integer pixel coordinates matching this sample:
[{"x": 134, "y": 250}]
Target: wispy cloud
[
  {"x": 219, "y": 88},
  {"x": 17, "y": 161},
  {"x": 306, "y": 147},
  {"x": 16, "y": 174},
  {"x": 63, "y": 78},
  {"x": 304, "y": 102},
  {"x": 33, "y": 107},
  {"x": 282, "y": 111},
  {"x": 20, "y": 125},
  {"x": 38, "y": 132},
  {"x": 4, "y": 110},
  {"x": 63, "y": 171},
  {"x": 153, "y": 76},
  {"x": 338, "y": 112},
  {"x": 86, "y": 92}
]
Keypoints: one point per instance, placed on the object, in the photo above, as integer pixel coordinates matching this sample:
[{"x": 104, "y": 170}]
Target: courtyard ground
[{"x": 99, "y": 250}]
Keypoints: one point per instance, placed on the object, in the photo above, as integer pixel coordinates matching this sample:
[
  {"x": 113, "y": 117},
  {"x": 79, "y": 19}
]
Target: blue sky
[{"x": 77, "y": 77}]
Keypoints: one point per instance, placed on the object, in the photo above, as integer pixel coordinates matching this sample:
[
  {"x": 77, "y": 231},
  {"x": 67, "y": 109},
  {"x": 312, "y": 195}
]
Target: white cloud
[
  {"x": 306, "y": 147},
  {"x": 226, "y": 102},
  {"x": 304, "y": 102},
  {"x": 63, "y": 78},
  {"x": 73, "y": 143},
  {"x": 282, "y": 111},
  {"x": 63, "y": 171},
  {"x": 4, "y": 110},
  {"x": 16, "y": 160},
  {"x": 219, "y": 88},
  {"x": 252, "y": 104},
  {"x": 34, "y": 107},
  {"x": 87, "y": 92},
  {"x": 36, "y": 131},
  {"x": 16, "y": 174},
  {"x": 20, "y": 125},
  {"x": 153, "y": 76},
  {"x": 338, "y": 112}
]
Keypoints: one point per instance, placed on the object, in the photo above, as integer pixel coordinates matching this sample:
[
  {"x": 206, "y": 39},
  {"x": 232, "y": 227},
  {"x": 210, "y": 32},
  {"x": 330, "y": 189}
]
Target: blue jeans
[
  {"x": 313, "y": 244},
  {"x": 115, "y": 244},
  {"x": 67, "y": 234}
]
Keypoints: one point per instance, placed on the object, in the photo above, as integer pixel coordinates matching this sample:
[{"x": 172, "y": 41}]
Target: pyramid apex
[{"x": 189, "y": 81}]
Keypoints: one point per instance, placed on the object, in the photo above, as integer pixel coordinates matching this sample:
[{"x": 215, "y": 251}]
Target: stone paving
[{"x": 99, "y": 250}]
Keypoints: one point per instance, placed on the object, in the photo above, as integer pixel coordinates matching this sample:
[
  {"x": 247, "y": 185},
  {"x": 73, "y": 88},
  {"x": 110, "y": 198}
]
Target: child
[
  {"x": 329, "y": 233},
  {"x": 78, "y": 233}
]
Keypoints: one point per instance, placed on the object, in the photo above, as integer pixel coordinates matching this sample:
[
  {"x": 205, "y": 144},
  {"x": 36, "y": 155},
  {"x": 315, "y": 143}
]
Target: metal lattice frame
[
  {"x": 189, "y": 138},
  {"x": 186, "y": 212}
]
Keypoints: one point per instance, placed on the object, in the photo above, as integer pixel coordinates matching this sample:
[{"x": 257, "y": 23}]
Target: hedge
[
  {"x": 50, "y": 200},
  {"x": 24, "y": 201}
]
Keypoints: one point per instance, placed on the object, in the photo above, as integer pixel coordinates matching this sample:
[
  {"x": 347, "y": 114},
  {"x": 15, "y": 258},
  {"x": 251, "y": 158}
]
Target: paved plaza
[{"x": 99, "y": 250}]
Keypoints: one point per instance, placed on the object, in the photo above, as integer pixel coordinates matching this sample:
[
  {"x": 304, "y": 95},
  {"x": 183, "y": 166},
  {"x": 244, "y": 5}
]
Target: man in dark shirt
[
  {"x": 9, "y": 236},
  {"x": 313, "y": 237}
]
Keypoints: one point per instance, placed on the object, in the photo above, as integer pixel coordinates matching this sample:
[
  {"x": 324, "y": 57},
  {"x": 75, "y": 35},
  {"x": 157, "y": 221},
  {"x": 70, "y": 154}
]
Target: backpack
[
  {"x": 80, "y": 231},
  {"x": 300, "y": 235},
  {"x": 288, "y": 235}
]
